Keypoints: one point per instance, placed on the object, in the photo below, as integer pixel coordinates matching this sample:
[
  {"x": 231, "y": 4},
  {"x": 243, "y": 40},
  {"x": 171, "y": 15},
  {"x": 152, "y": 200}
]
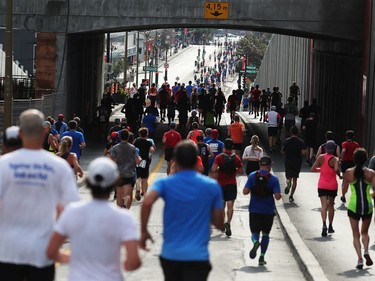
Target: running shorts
[{"x": 327, "y": 192}]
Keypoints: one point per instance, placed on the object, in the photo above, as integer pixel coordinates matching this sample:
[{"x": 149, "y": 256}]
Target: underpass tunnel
[{"x": 332, "y": 71}]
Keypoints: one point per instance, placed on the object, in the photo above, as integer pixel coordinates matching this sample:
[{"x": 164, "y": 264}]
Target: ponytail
[
  {"x": 360, "y": 158},
  {"x": 65, "y": 144}
]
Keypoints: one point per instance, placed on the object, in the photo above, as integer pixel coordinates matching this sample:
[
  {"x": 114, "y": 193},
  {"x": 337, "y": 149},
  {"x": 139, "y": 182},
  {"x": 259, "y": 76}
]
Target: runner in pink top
[{"x": 328, "y": 165}]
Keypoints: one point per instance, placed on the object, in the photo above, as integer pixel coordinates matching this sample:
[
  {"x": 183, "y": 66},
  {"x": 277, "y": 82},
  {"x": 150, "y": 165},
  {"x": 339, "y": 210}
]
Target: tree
[
  {"x": 118, "y": 67},
  {"x": 200, "y": 33},
  {"x": 254, "y": 47}
]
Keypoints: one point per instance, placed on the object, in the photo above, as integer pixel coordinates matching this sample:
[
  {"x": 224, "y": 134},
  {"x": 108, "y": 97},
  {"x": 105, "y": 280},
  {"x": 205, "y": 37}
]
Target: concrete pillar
[{"x": 84, "y": 75}]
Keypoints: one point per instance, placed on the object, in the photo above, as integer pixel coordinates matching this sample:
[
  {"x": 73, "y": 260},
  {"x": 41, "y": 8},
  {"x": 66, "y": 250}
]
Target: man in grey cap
[
  {"x": 34, "y": 187},
  {"x": 264, "y": 189}
]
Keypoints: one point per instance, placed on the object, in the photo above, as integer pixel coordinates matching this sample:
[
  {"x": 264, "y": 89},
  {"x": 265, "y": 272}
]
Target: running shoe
[
  {"x": 330, "y": 229},
  {"x": 261, "y": 261},
  {"x": 288, "y": 185},
  {"x": 324, "y": 231},
  {"x": 359, "y": 264},
  {"x": 291, "y": 199},
  {"x": 368, "y": 259},
  {"x": 228, "y": 231},
  {"x": 253, "y": 252},
  {"x": 138, "y": 195},
  {"x": 343, "y": 199}
]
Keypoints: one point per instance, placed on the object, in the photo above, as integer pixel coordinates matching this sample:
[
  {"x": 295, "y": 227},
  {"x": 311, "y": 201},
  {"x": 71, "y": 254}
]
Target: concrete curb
[{"x": 307, "y": 262}]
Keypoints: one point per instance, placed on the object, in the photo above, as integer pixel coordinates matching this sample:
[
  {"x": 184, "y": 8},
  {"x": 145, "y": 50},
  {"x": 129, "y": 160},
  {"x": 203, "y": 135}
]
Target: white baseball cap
[{"x": 102, "y": 172}]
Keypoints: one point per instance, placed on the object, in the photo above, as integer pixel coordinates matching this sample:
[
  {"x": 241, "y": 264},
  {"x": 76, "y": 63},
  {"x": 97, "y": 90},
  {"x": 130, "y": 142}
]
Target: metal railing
[{"x": 23, "y": 87}]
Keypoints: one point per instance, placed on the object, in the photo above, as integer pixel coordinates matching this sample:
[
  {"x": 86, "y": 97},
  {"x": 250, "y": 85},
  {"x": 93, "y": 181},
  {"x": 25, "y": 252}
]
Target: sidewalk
[{"x": 320, "y": 258}]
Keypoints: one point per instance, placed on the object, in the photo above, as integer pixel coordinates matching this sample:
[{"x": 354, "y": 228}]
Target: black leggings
[
  {"x": 23, "y": 272},
  {"x": 185, "y": 270}
]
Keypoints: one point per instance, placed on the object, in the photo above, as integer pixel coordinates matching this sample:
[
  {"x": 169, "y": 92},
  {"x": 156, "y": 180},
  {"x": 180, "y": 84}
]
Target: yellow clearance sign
[{"x": 216, "y": 10}]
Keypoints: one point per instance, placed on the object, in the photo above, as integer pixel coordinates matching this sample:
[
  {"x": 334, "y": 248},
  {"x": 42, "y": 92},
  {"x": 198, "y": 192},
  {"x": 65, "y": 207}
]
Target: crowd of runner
[{"x": 196, "y": 159}]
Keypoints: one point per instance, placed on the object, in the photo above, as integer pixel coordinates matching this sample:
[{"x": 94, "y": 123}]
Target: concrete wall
[
  {"x": 286, "y": 60},
  {"x": 313, "y": 18},
  {"x": 337, "y": 85},
  {"x": 369, "y": 141},
  {"x": 327, "y": 70}
]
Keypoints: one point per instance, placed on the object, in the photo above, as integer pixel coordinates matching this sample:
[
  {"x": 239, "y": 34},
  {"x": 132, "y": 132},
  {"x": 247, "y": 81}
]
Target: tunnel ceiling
[{"x": 337, "y": 19}]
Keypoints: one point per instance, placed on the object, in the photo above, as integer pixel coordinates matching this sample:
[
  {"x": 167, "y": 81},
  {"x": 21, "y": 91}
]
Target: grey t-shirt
[{"x": 124, "y": 155}]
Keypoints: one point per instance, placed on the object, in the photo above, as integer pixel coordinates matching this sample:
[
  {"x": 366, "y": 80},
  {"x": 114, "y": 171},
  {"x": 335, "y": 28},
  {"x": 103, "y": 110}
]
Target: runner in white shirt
[
  {"x": 34, "y": 187},
  {"x": 95, "y": 244},
  {"x": 273, "y": 119}
]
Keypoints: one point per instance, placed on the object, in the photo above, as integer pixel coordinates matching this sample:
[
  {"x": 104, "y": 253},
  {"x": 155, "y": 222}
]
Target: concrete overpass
[{"x": 340, "y": 19}]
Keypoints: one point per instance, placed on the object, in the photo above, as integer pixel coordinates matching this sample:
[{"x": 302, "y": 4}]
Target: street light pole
[
  {"x": 8, "y": 95},
  {"x": 156, "y": 46},
  {"x": 166, "y": 61},
  {"x": 126, "y": 59},
  {"x": 136, "y": 77},
  {"x": 166, "y": 55}
]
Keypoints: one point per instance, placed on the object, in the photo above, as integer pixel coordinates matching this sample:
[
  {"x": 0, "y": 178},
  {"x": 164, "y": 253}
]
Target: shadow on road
[
  {"x": 252, "y": 269},
  {"x": 355, "y": 273}
]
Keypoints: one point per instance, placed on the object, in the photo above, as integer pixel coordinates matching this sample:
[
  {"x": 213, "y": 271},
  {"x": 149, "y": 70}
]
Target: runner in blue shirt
[
  {"x": 264, "y": 188},
  {"x": 78, "y": 139},
  {"x": 186, "y": 234},
  {"x": 216, "y": 146}
]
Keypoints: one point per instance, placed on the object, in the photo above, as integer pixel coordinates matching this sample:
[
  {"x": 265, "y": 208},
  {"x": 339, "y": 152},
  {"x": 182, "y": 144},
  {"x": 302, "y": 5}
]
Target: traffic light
[{"x": 145, "y": 82}]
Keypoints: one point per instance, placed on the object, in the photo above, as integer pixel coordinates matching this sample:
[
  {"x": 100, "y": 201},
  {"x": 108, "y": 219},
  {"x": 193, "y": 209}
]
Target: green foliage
[
  {"x": 208, "y": 33},
  {"x": 118, "y": 67},
  {"x": 254, "y": 45}
]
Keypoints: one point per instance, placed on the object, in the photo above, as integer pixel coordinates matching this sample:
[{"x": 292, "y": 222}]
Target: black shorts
[
  {"x": 310, "y": 142},
  {"x": 292, "y": 171},
  {"x": 168, "y": 153},
  {"x": 185, "y": 270},
  {"x": 272, "y": 131},
  {"x": 229, "y": 192},
  {"x": 143, "y": 173},
  {"x": 289, "y": 124},
  {"x": 326, "y": 192},
  {"x": 237, "y": 146},
  {"x": 123, "y": 181},
  {"x": 260, "y": 222},
  {"x": 252, "y": 166},
  {"x": 358, "y": 217},
  {"x": 20, "y": 272},
  {"x": 255, "y": 103},
  {"x": 346, "y": 165}
]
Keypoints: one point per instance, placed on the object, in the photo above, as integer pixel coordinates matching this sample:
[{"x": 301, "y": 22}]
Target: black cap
[{"x": 265, "y": 161}]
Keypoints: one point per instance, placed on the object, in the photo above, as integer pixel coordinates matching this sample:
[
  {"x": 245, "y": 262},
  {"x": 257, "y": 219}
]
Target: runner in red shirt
[
  {"x": 347, "y": 160},
  {"x": 170, "y": 139},
  {"x": 193, "y": 134},
  {"x": 227, "y": 165},
  {"x": 256, "y": 100}
]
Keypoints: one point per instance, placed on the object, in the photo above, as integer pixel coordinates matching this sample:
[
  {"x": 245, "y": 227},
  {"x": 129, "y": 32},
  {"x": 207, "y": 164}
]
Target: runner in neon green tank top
[{"x": 360, "y": 206}]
